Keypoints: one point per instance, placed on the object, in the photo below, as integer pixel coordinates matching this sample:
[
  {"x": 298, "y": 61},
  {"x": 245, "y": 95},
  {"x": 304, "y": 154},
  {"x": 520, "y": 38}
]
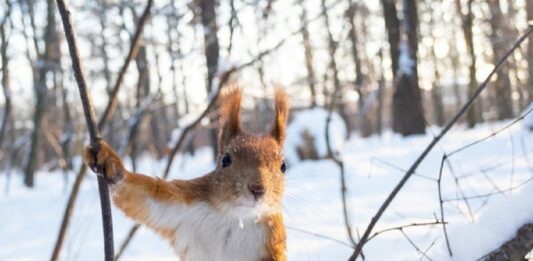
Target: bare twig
[
  {"x": 102, "y": 123},
  {"x": 90, "y": 119},
  {"x": 134, "y": 49},
  {"x": 320, "y": 236},
  {"x": 439, "y": 185},
  {"x": 433, "y": 223},
  {"x": 459, "y": 188},
  {"x": 491, "y": 193},
  {"x": 414, "y": 245},
  {"x": 386, "y": 163},
  {"x": 336, "y": 158},
  {"x": 430, "y": 146},
  {"x": 493, "y": 134}
]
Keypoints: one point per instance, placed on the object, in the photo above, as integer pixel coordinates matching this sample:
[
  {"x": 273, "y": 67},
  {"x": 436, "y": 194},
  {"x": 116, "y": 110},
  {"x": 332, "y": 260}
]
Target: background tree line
[{"x": 398, "y": 64}]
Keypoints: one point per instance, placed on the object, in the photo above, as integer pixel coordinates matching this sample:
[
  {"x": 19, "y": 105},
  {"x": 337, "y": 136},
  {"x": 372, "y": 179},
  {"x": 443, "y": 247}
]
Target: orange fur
[
  {"x": 276, "y": 247},
  {"x": 255, "y": 163}
]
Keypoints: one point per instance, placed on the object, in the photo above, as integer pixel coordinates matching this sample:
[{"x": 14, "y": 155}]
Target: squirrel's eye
[
  {"x": 226, "y": 160},
  {"x": 283, "y": 167}
]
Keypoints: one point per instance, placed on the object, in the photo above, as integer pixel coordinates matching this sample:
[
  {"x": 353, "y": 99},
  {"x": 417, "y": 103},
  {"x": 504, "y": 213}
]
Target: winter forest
[{"x": 409, "y": 133}]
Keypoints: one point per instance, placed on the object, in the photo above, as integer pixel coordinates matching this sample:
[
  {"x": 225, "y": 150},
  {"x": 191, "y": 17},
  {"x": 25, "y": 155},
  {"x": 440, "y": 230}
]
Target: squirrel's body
[{"x": 232, "y": 213}]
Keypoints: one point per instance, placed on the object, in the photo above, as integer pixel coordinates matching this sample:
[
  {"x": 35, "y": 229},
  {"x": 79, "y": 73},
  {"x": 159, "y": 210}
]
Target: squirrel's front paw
[{"x": 105, "y": 161}]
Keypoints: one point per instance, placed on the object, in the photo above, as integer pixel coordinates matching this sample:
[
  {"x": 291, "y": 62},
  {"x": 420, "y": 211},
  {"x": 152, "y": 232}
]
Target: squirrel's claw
[{"x": 104, "y": 162}]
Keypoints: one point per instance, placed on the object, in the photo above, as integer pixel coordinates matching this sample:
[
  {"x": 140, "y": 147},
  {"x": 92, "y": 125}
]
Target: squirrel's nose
[{"x": 257, "y": 191}]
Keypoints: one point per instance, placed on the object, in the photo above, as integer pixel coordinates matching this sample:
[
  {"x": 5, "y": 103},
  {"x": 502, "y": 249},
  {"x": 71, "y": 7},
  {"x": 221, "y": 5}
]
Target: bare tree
[
  {"x": 529, "y": 8},
  {"x": 365, "y": 126},
  {"x": 502, "y": 89},
  {"x": 308, "y": 53},
  {"x": 467, "y": 24},
  {"x": 436, "y": 88},
  {"x": 5, "y": 70},
  {"x": 211, "y": 48},
  {"x": 332, "y": 50},
  {"x": 408, "y": 117},
  {"x": 46, "y": 61},
  {"x": 392, "y": 25}
]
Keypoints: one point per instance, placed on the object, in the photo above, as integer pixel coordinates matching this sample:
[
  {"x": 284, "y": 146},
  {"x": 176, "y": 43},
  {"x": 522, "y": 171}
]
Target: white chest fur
[{"x": 202, "y": 233}]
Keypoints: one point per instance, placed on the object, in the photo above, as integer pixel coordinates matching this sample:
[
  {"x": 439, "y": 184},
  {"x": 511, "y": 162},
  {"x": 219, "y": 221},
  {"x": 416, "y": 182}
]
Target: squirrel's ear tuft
[
  {"x": 230, "y": 119},
  {"x": 280, "y": 119}
]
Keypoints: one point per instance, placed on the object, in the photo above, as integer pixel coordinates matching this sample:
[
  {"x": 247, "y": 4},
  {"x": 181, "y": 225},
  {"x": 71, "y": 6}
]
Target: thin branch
[
  {"x": 433, "y": 223},
  {"x": 439, "y": 185},
  {"x": 414, "y": 245},
  {"x": 493, "y": 134},
  {"x": 430, "y": 146},
  {"x": 491, "y": 193},
  {"x": 132, "y": 54},
  {"x": 334, "y": 155},
  {"x": 320, "y": 236},
  {"x": 102, "y": 124},
  {"x": 90, "y": 119}
]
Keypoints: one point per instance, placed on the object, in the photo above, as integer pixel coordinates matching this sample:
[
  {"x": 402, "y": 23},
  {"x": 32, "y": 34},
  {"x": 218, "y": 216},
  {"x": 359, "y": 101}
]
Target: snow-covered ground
[{"x": 30, "y": 218}]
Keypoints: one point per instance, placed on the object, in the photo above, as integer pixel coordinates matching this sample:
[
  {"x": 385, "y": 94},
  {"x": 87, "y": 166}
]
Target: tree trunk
[
  {"x": 529, "y": 8},
  {"x": 332, "y": 49},
  {"x": 436, "y": 88},
  {"x": 381, "y": 94},
  {"x": 392, "y": 24},
  {"x": 5, "y": 74},
  {"x": 408, "y": 115},
  {"x": 365, "y": 127},
  {"x": 143, "y": 90},
  {"x": 45, "y": 64},
  {"x": 516, "y": 248},
  {"x": 209, "y": 22},
  {"x": 456, "y": 68},
  {"x": 467, "y": 23},
  {"x": 112, "y": 137},
  {"x": 308, "y": 52},
  {"x": 502, "y": 90}
]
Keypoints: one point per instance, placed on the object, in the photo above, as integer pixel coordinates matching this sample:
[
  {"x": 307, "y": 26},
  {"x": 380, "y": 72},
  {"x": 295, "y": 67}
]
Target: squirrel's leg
[{"x": 147, "y": 200}]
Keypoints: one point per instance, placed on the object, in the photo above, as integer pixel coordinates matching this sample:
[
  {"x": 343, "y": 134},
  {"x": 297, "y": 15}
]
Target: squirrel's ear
[
  {"x": 280, "y": 119},
  {"x": 230, "y": 119}
]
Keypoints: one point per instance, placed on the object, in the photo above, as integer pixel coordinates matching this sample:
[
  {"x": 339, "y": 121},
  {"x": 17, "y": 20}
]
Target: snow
[
  {"x": 496, "y": 224},
  {"x": 314, "y": 122},
  {"x": 30, "y": 218}
]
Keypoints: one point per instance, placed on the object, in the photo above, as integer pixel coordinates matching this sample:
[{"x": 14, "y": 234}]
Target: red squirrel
[{"x": 231, "y": 213}]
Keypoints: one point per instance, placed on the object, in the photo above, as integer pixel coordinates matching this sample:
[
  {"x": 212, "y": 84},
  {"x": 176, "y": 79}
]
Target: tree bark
[
  {"x": 408, "y": 114},
  {"x": 502, "y": 88},
  {"x": 45, "y": 64},
  {"x": 436, "y": 88},
  {"x": 211, "y": 50},
  {"x": 392, "y": 24},
  {"x": 5, "y": 73},
  {"x": 332, "y": 49},
  {"x": 529, "y": 8},
  {"x": 365, "y": 127},
  {"x": 467, "y": 23},
  {"x": 456, "y": 68},
  {"x": 308, "y": 53},
  {"x": 516, "y": 248}
]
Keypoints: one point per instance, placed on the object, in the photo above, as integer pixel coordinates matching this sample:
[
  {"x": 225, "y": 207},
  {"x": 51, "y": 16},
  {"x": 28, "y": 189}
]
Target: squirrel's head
[{"x": 249, "y": 177}]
